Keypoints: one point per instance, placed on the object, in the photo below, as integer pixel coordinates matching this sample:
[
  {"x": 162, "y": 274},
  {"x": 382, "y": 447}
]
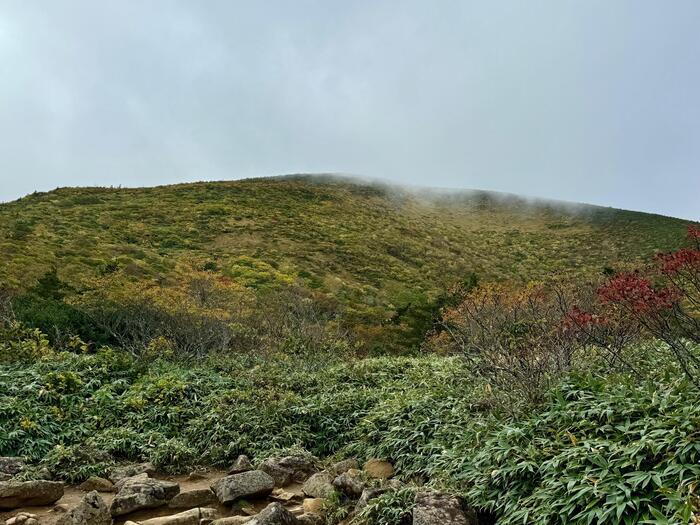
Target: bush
[
  {"x": 391, "y": 508},
  {"x": 599, "y": 452}
]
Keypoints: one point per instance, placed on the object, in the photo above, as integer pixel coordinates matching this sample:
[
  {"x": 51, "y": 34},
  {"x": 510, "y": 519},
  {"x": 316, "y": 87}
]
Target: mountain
[{"x": 373, "y": 252}]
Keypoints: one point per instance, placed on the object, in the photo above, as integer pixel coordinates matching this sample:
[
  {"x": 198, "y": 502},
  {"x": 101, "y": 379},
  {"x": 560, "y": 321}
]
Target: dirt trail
[{"x": 72, "y": 496}]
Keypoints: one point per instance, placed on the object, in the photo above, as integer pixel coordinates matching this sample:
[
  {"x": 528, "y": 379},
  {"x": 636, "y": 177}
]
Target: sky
[{"x": 592, "y": 101}]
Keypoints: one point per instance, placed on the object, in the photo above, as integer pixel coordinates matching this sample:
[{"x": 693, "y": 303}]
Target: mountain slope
[{"x": 370, "y": 249}]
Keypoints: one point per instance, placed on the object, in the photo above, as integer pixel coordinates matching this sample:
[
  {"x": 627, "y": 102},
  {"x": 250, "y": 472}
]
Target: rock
[
  {"x": 343, "y": 466},
  {"x": 379, "y": 469},
  {"x": 392, "y": 484},
  {"x": 188, "y": 517},
  {"x": 98, "y": 484},
  {"x": 319, "y": 486},
  {"x": 311, "y": 519},
  {"x": 287, "y": 469},
  {"x": 44, "y": 473},
  {"x": 434, "y": 508},
  {"x": 193, "y": 498},
  {"x": 11, "y": 466},
  {"x": 14, "y": 494},
  {"x": 366, "y": 496},
  {"x": 141, "y": 492},
  {"x": 314, "y": 506},
  {"x": 297, "y": 510},
  {"x": 284, "y": 496},
  {"x": 23, "y": 518},
  {"x": 90, "y": 511},
  {"x": 350, "y": 483},
  {"x": 242, "y": 464},
  {"x": 274, "y": 514},
  {"x": 197, "y": 475},
  {"x": 129, "y": 471},
  {"x": 232, "y": 520},
  {"x": 249, "y": 484}
]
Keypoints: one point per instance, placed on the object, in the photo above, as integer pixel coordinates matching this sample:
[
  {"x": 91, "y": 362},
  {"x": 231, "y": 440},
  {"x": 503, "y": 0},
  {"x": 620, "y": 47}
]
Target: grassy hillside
[
  {"x": 378, "y": 256},
  {"x": 225, "y": 318}
]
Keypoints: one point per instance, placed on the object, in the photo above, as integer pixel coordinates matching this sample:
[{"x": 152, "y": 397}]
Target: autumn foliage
[{"x": 527, "y": 337}]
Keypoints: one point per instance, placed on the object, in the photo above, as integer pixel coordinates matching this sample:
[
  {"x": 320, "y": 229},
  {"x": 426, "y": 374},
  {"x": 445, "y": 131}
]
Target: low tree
[{"x": 514, "y": 338}]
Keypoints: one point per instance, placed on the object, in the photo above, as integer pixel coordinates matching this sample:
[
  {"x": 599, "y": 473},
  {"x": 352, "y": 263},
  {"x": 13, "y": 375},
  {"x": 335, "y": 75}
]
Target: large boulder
[
  {"x": 319, "y": 485},
  {"x": 288, "y": 469},
  {"x": 15, "y": 494},
  {"x": 129, "y": 471},
  {"x": 274, "y": 514},
  {"x": 193, "y": 498},
  {"x": 141, "y": 492},
  {"x": 379, "y": 469},
  {"x": 251, "y": 484},
  {"x": 242, "y": 464},
  {"x": 91, "y": 510},
  {"x": 435, "y": 508},
  {"x": 188, "y": 517}
]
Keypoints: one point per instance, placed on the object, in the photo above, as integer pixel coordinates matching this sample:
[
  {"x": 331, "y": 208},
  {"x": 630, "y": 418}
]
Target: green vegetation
[
  {"x": 618, "y": 449},
  {"x": 186, "y": 325},
  {"x": 379, "y": 258}
]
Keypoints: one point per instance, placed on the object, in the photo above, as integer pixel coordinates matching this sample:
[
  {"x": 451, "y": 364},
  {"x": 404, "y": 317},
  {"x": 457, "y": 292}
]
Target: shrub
[
  {"x": 601, "y": 452},
  {"x": 391, "y": 508}
]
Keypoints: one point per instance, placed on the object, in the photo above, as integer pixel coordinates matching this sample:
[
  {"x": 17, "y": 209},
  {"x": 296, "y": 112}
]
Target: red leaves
[
  {"x": 577, "y": 319},
  {"x": 693, "y": 232},
  {"x": 685, "y": 259},
  {"x": 637, "y": 293}
]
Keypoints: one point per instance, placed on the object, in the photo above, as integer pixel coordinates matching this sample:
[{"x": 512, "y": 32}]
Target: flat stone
[
  {"x": 15, "y": 494},
  {"x": 284, "y": 496},
  {"x": 188, "y": 517},
  {"x": 251, "y": 484},
  {"x": 232, "y": 520},
  {"x": 193, "y": 498}
]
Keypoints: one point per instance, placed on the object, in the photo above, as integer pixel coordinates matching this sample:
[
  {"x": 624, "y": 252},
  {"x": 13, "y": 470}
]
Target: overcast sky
[{"x": 589, "y": 100}]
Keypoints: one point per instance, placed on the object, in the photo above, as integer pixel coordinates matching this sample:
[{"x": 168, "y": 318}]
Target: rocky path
[{"x": 288, "y": 490}]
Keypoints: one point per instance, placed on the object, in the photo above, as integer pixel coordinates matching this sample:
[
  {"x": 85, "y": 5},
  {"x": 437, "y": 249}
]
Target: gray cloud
[{"x": 592, "y": 101}]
